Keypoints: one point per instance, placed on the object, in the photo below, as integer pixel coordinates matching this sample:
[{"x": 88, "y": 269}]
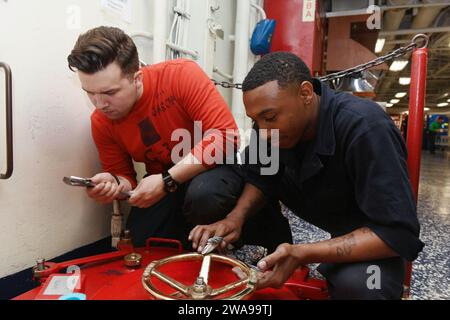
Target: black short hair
[
  {"x": 99, "y": 47},
  {"x": 285, "y": 67}
]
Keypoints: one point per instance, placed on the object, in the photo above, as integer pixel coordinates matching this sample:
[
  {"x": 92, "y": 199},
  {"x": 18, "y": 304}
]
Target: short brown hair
[{"x": 99, "y": 47}]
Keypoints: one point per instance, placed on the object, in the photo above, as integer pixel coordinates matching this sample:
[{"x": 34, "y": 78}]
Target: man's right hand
[
  {"x": 106, "y": 190},
  {"x": 252, "y": 199},
  {"x": 229, "y": 229}
]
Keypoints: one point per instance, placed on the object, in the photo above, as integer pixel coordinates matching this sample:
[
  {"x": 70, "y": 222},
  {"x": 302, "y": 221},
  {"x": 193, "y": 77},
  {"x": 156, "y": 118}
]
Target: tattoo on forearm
[{"x": 343, "y": 245}]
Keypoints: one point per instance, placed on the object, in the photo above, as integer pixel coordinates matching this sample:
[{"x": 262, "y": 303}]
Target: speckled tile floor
[{"x": 431, "y": 271}]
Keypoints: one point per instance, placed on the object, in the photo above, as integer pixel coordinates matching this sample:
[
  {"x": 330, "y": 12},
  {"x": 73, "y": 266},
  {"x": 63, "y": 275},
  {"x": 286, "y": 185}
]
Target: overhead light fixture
[
  {"x": 380, "y": 44},
  {"x": 427, "y": 109},
  {"x": 404, "y": 81},
  {"x": 445, "y": 94},
  {"x": 389, "y": 105},
  {"x": 448, "y": 100},
  {"x": 400, "y": 95},
  {"x": 443, "y": 104},
  {"x": 394, "y": 101},
  {"x": 398, "y": 65}
]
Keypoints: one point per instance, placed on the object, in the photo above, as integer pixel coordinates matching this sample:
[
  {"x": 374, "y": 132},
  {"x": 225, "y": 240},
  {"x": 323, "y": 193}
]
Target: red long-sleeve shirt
[{"x": 176, "y": 94}]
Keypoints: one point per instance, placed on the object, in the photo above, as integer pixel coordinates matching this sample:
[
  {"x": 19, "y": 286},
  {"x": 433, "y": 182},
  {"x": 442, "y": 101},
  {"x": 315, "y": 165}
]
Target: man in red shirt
[{"x": 141, "y": 115}]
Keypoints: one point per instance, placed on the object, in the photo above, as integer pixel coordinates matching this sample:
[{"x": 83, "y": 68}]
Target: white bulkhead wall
[{"x": 40, "y": 217}]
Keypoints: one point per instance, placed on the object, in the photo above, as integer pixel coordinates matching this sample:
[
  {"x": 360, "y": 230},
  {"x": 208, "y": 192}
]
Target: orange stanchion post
[{"x": 415, "y": 126}]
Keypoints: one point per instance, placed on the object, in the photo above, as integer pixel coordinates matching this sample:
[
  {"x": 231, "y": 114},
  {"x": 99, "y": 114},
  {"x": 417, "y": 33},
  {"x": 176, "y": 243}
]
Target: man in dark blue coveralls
[{"x": 342, "y": 168}]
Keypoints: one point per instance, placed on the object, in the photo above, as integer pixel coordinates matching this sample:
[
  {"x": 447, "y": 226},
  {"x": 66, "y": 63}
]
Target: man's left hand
[
  {"x": 279, "y": 266},
  {"x": 149, "y": 192}
]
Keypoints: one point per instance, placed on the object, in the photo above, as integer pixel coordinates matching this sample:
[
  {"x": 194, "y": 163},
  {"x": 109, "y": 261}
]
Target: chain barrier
[
  {"x": 227, "y": 85},
  {"x": 355, "y": 70}
]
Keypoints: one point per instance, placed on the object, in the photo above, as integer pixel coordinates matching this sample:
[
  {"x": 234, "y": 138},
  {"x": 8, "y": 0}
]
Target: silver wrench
[
  {"x": 212, "y": 244},
  {"x": 85, "y": 182}
]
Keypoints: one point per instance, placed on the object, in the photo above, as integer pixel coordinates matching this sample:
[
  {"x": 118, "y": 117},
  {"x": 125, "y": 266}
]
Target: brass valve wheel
[{"x": 200, "y": 290}]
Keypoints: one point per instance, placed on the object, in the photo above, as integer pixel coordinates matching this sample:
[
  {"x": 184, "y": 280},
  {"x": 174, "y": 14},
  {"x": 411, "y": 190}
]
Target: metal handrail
[{"x": 9, "y": 123}]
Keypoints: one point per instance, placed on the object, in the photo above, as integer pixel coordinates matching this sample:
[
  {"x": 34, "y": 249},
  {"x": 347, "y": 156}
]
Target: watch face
[{"x": 172, "y": 186}]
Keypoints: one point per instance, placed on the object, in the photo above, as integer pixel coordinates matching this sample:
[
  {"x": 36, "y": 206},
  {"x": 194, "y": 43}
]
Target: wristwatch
[{"x": 170, "y": 185}]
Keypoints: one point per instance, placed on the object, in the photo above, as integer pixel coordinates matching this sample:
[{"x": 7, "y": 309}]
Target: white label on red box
[{"x": 62, "y": 285}]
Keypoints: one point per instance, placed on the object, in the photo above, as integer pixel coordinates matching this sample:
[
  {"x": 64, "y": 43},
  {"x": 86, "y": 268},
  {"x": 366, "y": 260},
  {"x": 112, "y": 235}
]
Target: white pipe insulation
[
  {"x": 241, "y": 54},
  {"x": 160, "y": 9}
]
